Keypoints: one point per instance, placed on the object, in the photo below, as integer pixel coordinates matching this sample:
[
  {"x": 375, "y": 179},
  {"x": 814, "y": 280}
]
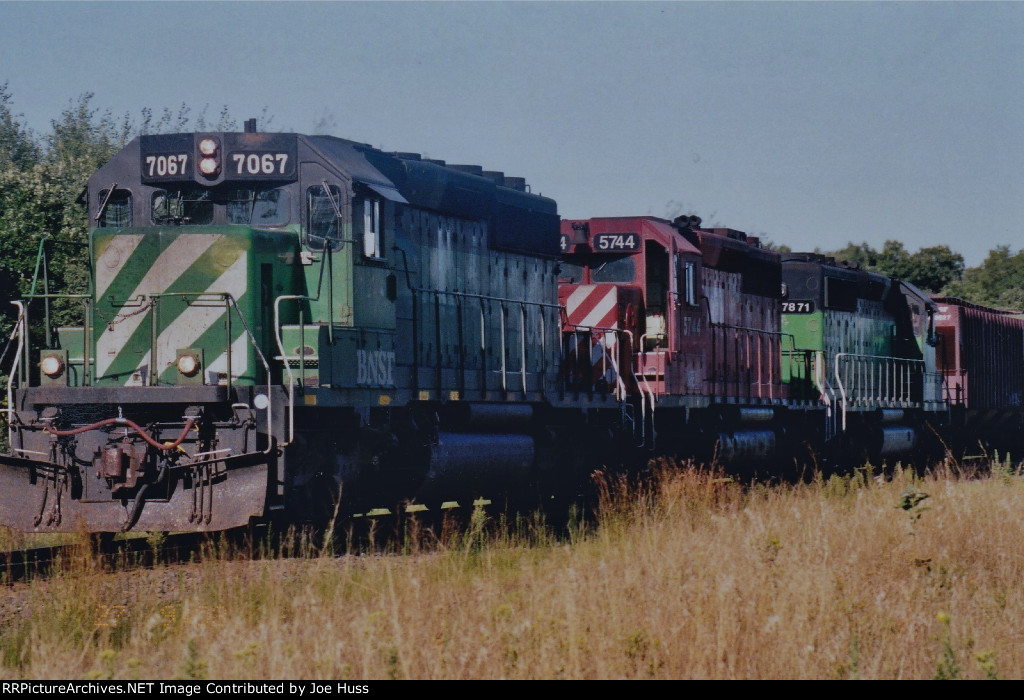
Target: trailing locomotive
[
  {"x": 698, "y": 316},
  {"x": 290, "y": 326},
  {"x": 872, "y": 340}
]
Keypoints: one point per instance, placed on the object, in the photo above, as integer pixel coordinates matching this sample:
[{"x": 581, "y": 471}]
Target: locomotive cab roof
[
  {"x": 519, "y": 220},
  {"x": 584, "y": 235}
]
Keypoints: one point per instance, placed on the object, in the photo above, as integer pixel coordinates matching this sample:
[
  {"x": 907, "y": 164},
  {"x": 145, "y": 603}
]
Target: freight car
[{"x": 979, "y": 357}]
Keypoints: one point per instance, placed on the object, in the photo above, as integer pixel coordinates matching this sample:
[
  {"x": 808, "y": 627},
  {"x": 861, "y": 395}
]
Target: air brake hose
[{"x": 131, "y": 424}]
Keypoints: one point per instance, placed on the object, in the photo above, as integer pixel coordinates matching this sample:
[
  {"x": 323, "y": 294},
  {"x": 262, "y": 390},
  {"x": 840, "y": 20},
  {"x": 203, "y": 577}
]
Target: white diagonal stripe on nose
[
  {"x": 111, "y": 261},
  {"x": 599, "y": 315},
  {"x": 239, "y": 360},
  {"x": 578, "y": 296},
  {"x": 169, "y": 266},
  {"x": 190, "y": 325}
]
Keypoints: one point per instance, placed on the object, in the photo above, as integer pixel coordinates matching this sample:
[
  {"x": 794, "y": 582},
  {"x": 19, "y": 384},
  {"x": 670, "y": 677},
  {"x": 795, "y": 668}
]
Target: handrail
[
  {"x": 897, "y": 391},
  {"x": 325, "y": 262},
  {"x": 826, "y": 392},
  {"x": 641, "y": 356},
  {"x": 87, "y": 328},
  {"x": 19, "y": 332},
  {"x": 606, "y": 357},
  {"x": 266, "y": 370},
  {"x": 484, "y": 299},
  {"x": 41, "y": 259},
  {"x": 760, "y": 334}
]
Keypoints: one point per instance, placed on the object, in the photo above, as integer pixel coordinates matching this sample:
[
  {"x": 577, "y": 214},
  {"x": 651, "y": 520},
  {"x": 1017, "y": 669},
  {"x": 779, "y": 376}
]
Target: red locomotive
[{"x": 684, "y": 318}]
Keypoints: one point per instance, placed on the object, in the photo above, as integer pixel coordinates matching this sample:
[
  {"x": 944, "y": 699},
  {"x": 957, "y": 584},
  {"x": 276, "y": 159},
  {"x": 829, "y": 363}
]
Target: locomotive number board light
[{"x": 209, "y": 154}]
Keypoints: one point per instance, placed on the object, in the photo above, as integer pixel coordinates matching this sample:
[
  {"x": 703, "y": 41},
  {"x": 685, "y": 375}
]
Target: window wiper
[
  {"x": 106, "y": 200},
  {"x": 327, "y": 190},
  {"x": 181, "y": 218},
  {"x": 252, "y": 207}
]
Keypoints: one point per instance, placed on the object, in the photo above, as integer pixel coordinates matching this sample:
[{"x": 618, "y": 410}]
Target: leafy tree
[
  {"x": 39, "y": 183},
  {"x": 81, "y": 139},
  {"x": 931, "y": 269},
  {"x": 894, "y": 260},
  {"x": 168, "y": 122},
  {"x": 17, "y": 148},
  {"x": 857, "y": 252},
  {"x": 769, "y": 244},
  {"x": 935, "y": 267},
  {"x": 20, "y": 190},
  {"x": 998, "y": 281}
]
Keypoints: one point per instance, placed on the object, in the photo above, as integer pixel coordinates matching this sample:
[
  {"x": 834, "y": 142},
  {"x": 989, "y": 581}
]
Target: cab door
[{"x": 327, "y": 232}]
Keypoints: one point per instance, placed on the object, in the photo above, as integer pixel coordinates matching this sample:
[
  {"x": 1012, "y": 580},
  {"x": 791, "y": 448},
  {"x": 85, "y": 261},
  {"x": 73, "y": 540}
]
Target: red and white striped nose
[{"x": 593, "y": 306}]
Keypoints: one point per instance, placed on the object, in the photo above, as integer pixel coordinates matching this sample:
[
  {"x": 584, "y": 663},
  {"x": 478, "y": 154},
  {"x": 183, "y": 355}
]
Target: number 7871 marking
[{"x": 797, "y": 307}]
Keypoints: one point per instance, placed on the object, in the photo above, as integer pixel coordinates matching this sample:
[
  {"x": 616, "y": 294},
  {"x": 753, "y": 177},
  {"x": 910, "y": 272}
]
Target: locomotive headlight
[
  {"x": 52, "y": 365},
  {"x": 209, "y": 166},
  {"x": 188, "y": 365},
  {"x": 208, "y": 147}
]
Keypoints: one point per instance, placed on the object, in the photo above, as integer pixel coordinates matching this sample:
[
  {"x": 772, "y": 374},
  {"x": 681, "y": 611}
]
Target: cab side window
[
  {"x": 690, "y": 282},
  {"x": 118, "y": 210},
  {"x": 323, "y": 214},
  {"x": 686, "y": 279},
  {"x": 370, "y": 224}
]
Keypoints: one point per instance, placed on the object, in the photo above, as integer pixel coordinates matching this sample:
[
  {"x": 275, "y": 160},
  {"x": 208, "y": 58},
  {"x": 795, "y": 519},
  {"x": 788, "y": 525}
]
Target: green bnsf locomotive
[
  {"x": 277, "y": 321},
  {"x": 870, "y": 343}
]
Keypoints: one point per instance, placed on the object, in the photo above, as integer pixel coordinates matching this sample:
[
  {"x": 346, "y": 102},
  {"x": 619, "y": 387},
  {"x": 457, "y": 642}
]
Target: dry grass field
[{"x": 692, "y": 577}]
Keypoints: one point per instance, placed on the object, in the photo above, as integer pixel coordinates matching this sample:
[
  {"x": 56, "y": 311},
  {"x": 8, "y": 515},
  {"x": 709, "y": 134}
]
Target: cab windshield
[
  {"x": 569, "y": 272},
  {"x": 183, "y": 205},
  {"x": 199, "y": 206},
  {"x": 619, "y": 269},
  {"x": 258, "y": 207}
]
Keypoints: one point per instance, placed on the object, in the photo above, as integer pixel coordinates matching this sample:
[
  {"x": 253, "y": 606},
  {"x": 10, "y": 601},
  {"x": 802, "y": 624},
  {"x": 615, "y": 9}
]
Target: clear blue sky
[{"x": 810, "y": 123}]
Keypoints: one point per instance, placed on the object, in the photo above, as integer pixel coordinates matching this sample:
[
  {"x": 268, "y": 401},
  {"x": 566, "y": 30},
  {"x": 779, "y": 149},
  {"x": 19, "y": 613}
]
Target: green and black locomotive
[{"x": 276, "y": 322}]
